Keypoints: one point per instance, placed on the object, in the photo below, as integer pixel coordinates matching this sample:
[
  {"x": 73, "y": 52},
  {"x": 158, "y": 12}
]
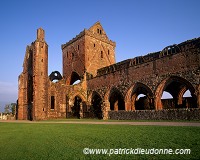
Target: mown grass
[
  {"x": 110, "y": 120},
  {"x": 37, "y": 141}
]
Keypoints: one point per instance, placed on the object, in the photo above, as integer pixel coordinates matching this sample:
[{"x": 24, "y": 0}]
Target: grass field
[{"x": 67, "y": 141}]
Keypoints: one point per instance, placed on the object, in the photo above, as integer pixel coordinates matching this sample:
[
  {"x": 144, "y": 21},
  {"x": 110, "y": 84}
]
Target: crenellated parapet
[
  {"x": 81, "y": 34},
  {"x": 91, "y": 34}
]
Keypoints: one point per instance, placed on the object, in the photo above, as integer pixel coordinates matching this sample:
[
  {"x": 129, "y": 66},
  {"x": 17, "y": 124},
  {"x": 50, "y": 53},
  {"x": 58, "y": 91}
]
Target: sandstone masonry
[{"x": 106, "y": 88}]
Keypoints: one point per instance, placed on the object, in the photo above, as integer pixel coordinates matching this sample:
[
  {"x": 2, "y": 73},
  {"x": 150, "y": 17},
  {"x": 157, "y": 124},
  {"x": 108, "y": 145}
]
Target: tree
[
  {"x": 7, "y": 109},
  {"x": 13, "y": 108},
  {"x": 10, "y": 108}
]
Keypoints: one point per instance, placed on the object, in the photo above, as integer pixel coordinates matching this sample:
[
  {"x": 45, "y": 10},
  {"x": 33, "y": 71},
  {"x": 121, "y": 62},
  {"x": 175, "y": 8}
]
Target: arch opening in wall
[
  {"x": 116, "y": 100},
  {"x": 75, "y": 78},
  {"x": 76, "y": 107},
  {"x": 96, "y": 105},
  {"x": 142, "y": 97},
  {"x": 187, "y": 94},
  {"x": 55, "y": 76},
  {"x": 177, "y": 87},
  {"x": 169, "y": 50},
  {"x": 166, "y": 95},
  {"x": 167, "y": 100},
  {"x": 188, "y": 100}
]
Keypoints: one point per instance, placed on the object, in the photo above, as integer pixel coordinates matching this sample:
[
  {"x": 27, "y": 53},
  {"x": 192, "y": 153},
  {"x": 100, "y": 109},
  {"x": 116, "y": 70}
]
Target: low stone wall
[
  {"x": 85, "y": 115},
  {"x": 165, "y": 114}
]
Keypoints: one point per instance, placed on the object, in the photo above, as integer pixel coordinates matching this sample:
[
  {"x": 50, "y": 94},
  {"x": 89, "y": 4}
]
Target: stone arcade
[{"x": 106, "y": 88}]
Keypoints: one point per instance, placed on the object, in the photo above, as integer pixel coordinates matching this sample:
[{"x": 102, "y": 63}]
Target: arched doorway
[
  {"x": 176, "y": 87},
  {"x": 96, "y": 105},
  {"x": 76, "y": 107},
  {"x": 142, "y": 97},
  {"x": 116, "y": 100}
]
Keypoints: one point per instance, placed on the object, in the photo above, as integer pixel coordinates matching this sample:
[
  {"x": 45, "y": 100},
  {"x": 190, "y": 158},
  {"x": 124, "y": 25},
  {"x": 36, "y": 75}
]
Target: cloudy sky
[{"x": 138, "y": 27}]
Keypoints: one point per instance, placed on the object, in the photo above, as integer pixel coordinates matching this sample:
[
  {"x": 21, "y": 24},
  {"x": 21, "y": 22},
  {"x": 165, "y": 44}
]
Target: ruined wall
[
  {"x": 167, "y": 114},
  {"x": 87, "y": 52},
  {"x": 22, "y": 100},
  {"x": 33, "y": 89},
  {"x": 25, "y": 88},
  {"x": 151, "y": 70},
  {"x": 106, "y": 85},
  {"x": 64, "y": 96},
  {"x": 59, "y": 91},
  {"x": 40, "y": 77},
  {"x": 100, "y": 51},
  {"x": 74, "y": 57}
]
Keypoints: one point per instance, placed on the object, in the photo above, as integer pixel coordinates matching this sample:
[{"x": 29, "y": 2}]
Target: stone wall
[
  {"x": 151, "y": 68},
  {"x": 172, "y": 69},
  {"x": 165, "y": 114},
  {"x": 87, "y": 52},
  {"x": 74, "y": 58},
  {"x": 90, "y": 58}
]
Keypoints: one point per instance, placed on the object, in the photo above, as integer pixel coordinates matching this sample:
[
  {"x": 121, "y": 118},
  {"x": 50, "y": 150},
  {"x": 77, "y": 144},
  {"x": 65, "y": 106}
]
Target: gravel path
[{"x": 195, "y": 124}]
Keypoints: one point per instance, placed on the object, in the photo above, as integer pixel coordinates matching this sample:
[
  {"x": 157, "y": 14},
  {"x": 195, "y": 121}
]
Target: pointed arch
[
  {"x": 176, "y": 86},
  {"x": 77, "y": 105},
  {"x": 96, "y": 105},
  {"x": 55, "y": 76},
  {"x": 79, "y": 94},
  {"x": 74, "y": 77},
  {"x": 116, "y": 100},
  {"x": 133, "y": 102}
]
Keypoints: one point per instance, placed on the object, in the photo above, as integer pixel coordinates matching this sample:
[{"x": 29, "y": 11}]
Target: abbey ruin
[{"x": 107, "y": 89}]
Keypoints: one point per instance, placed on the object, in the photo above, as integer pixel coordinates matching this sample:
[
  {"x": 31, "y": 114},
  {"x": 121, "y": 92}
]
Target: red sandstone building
[{"x": 107, "y": 89}]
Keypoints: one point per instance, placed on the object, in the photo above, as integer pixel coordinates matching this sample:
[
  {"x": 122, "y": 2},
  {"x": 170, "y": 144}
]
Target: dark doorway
[
  {"x": 76, "y": 107},
  {"x": 96, "y": 106},
  {"x": 116, "y": 100}
]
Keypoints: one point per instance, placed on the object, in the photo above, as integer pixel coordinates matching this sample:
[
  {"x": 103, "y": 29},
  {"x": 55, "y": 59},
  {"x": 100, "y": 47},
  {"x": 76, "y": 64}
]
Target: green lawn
[
  {"x": 110, "y": 120},
  {"x": 67, "y": 141}
]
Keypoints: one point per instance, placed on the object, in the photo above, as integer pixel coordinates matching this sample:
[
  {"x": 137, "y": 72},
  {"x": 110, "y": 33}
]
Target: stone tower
[
  {"x": 40, "y": 76},
  {"x": 33, "y": 88},
  {"x": 87, "y": 52}
]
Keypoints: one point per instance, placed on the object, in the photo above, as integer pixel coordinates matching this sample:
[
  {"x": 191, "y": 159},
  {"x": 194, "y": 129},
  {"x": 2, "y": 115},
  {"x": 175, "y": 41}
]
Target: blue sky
[{"x": 138, "y": 27}]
